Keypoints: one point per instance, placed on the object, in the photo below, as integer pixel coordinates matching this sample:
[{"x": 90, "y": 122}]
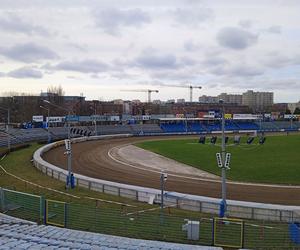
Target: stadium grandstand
[{"x": 156, "y": 126}]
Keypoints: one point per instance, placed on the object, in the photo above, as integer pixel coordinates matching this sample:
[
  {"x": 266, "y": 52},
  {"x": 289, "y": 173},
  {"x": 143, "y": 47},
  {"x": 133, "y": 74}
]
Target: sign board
[
  {"x": 37, "y": 118},
  {"x": 209, "y": 116},
  {"x": 72, "y": 118},
  {"x": 179, "y": 115},
  {"x": 246, "y": 117},
  {"x": 227, "y": 160},
  {"x": 68, "y": 144},
  {"x": 228, "y": 116},
  {"x": 115, "y": 118},
  {"x": 54, "y": 119},
  {"x": 146, "y": 117},
  {"x": 289, "y": 116},
  {"x": 219, "y": 160}
]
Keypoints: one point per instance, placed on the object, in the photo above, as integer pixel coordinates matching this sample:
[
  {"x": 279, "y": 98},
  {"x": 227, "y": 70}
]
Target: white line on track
[{"x": 196, "y": 178}]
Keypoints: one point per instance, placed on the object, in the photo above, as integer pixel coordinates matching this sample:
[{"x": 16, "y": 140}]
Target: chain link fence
[{"x": 153, "y": 224}]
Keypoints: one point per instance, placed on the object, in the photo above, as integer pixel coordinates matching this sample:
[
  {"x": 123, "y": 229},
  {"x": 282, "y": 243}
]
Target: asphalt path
[{"x": 92, "y": 159}]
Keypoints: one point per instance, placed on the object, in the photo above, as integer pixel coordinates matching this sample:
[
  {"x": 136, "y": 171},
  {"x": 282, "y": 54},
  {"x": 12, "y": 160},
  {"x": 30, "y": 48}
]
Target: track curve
[{"x": 91, "y": 159}]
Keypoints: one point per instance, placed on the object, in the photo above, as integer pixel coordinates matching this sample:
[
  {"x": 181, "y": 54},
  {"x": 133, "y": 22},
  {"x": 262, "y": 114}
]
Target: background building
[{"x": 258, "y": 101}]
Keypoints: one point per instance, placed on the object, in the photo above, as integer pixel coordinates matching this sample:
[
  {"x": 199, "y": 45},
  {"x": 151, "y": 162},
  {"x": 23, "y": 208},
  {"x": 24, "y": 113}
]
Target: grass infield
[{"x": 277, "y": 161}]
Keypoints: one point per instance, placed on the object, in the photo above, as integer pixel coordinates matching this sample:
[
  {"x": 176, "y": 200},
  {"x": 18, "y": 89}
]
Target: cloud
[
  {"x": 238, "y": 70},
  {"x": 191, "y": 46},
  {"x": 84, "y": 66},
  {"x": 275, "y": 29},
  {"x": 276, "y": 60},
  {"x": 25, "y": 72},
  {"x": 2, "y": 74},
  {"x": 245, "y": 23},
  {"x": 28, "y": 52},
  {"x": 14, "y": 24},
  {"x": 112, "y": 20},
  {"x": 192, "y": 16},
  {"x": 156, "y": 61},
  {"x": 236, "y": 38}
]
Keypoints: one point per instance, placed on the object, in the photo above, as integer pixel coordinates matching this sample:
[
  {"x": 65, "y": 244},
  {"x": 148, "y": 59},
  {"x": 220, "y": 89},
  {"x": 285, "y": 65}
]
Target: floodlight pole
[
  {"x": 48, "y": 123},
  {"x": 223, "y": 158},
  {"x": 162, "y": 188},
  {"x": 7, "y": 127},
  {"x": 95, "y": 121},
  {"x": 69, "y": 152}
]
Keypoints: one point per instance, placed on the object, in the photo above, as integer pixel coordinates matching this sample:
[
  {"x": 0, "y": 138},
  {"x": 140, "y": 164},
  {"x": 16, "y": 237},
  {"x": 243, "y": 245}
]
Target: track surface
[{"x": 91, "y": 159}]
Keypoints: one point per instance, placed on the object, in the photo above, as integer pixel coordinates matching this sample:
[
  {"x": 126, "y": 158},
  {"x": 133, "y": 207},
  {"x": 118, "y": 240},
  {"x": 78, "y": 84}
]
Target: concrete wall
[{"x": 247, "y": 210}]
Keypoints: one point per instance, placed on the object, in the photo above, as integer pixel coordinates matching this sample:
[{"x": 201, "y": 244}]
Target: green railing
[{"x": 130, "y": 222}]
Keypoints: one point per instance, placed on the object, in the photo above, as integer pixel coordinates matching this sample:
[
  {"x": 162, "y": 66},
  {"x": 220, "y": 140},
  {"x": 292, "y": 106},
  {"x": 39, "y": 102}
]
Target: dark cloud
[
  {"x": 112, "y": 20},
  {"x": 84, "y": 66},
  {"x": 191, "y": 46},
  {"x": 12, "y": 23},
  {"x": 236, "y": 38},
  {"x": 28, "y": 52},
  {"x": 238, "y": 70},
  {"x": 25, "y": 72},
  {"x": 156, "y": 61},
  {"x": 192, "y": 16}
]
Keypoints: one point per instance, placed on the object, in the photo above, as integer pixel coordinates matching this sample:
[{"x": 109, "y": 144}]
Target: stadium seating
[
  {"x": 21, "y": 234},
  {"x": 267, "y": 126},
  {"x": 231, "y": 125},
  {"x": 247, "y": 125},
  {"x": 286, "y": 125},
  {"x": 213, "y": 127},
  {"x": 173, "y": 127},
  {"x": 146, "y": 128},
  {"x": 196, "y": 127}
]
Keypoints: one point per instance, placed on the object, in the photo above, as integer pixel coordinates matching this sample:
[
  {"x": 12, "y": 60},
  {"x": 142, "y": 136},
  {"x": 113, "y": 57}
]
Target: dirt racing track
[{"x": 93, "y": 159}]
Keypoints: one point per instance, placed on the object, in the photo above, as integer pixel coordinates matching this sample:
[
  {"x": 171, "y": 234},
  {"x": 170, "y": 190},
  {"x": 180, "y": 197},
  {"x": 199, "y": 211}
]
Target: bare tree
[{"x": 56, "y": 90}]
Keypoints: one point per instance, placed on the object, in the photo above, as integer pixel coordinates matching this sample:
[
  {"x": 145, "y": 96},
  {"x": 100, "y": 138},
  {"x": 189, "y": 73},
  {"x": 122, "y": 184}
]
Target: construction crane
[
  {"x": 191, "y": 87},
  {"x": 149, "y": 91}
]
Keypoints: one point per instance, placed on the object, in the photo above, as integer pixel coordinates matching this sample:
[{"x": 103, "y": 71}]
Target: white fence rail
[{"x": 241, "y": 209}]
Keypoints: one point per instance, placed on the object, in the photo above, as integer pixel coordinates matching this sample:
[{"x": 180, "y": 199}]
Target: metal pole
[
  {"x": 161, "y": 195},
  {"x": 95, "y": 119},
  {"x": 7, "y": 129},
  {"x": 69, "y": 155},
  {"x": 191, "y": 94},
  {"x": 149, "y": 96},
  {"x": 48, "y": 124},
  {"x": 223, "y": 158}
]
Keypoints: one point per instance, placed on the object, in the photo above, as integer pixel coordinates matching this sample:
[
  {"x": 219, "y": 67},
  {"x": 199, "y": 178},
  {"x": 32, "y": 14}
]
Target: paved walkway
[
  {"x": 20, "y": 234},
  {"x": 138, "y": 156}
]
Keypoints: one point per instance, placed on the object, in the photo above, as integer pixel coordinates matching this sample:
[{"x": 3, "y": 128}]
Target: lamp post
[
  {"x": 7, "y": 127},
  {"x": 48, "y": 123},
  {"x": 223, "y": 153},
  {"x": 95, "y": 121},
  {"x": 163, "y": 179},
  {"x": 69, "y": 151}
]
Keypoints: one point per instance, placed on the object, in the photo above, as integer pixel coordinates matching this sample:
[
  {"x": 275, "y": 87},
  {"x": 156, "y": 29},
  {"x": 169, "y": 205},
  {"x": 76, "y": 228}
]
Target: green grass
[
  {"x": 19, "y": 163},
  {"x": 277, "y": 161},
  {"x": 83, "y": 214}
]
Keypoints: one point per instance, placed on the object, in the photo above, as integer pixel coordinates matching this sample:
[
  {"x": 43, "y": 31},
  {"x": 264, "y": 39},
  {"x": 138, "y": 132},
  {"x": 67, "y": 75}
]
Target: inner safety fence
[{"x": 197, "y": 228}]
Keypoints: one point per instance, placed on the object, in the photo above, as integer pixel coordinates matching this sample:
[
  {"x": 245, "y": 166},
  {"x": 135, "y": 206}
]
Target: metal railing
[{"x": 131, "y": 222}]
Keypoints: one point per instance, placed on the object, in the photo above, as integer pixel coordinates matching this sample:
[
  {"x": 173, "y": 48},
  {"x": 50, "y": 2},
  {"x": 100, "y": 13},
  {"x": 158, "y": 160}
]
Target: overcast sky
[{"x": 101, "y": 47}]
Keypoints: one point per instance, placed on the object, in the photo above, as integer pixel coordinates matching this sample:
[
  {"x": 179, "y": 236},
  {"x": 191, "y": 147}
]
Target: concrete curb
[{"x": 241, "y": 209}]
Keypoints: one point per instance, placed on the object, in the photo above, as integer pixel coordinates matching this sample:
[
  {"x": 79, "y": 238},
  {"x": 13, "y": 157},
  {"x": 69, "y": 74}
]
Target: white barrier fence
[{"x": 241, "y": 209}]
